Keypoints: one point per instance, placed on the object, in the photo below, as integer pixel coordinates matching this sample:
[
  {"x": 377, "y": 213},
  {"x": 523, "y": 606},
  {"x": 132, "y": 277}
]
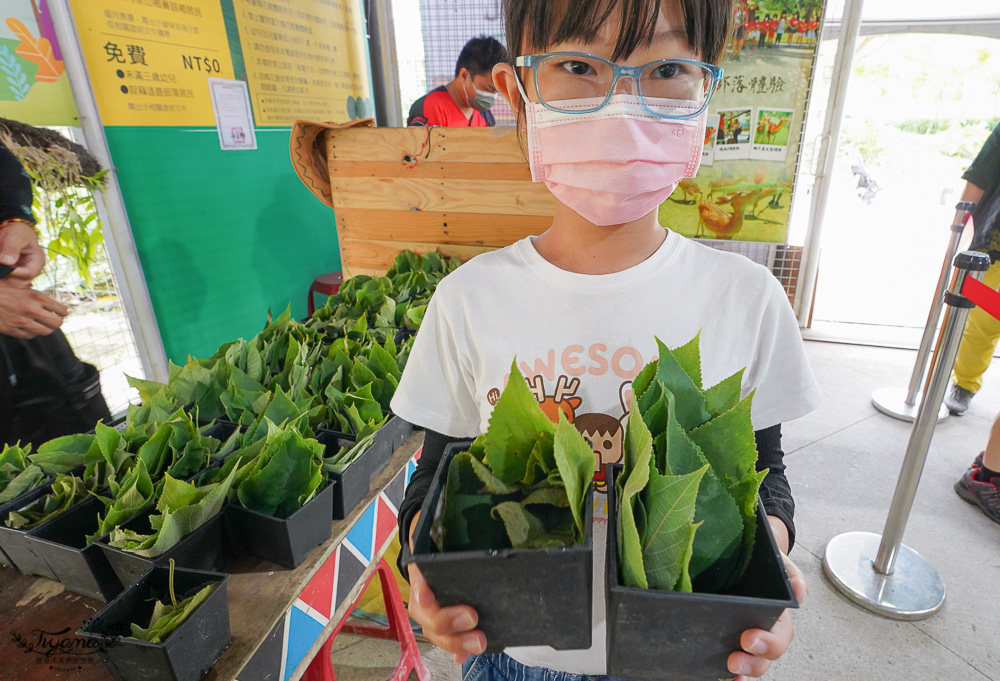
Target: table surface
[{"x": 38, "y": 618}]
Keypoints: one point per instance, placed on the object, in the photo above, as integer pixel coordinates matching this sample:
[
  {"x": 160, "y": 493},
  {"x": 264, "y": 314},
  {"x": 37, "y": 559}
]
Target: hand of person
[
  {"x": 26, "y": 313},
  {"x": 764, "y": 647},
  {"x": 19, "y": 247},
  {"x": 452, "y": 629}
]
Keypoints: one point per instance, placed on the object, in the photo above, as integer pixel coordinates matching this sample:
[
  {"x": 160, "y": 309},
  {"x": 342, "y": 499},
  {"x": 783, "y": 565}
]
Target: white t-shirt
[{"x": 580, "y": 340}]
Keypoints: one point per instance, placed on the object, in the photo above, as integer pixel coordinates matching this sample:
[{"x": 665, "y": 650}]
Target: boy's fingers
[
  {"x": 744, "y": 665},
  {"x": 797, "y": 578},
  {"x": 770, "y": 644},
  {"x": 421, "y": 592}
]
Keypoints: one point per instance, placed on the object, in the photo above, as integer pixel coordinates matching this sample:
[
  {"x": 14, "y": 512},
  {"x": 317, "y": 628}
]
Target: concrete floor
[{"x": 843, "y": 460}]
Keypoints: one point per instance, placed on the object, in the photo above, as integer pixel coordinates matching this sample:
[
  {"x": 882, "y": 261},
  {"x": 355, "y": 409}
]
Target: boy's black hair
[
  {"x": 537, "y": 23},
  {"x": 480, "y": 55}
]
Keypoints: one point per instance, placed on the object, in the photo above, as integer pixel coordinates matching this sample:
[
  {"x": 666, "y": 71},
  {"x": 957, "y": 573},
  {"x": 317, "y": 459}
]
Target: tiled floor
[{"x": 843, "y": 460}]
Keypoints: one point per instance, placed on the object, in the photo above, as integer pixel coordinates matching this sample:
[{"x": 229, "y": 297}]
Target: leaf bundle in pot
[
  {"x": 688, "y": 492},
  {"x": 522, "y": 484},
  {"x": 17, "y": 474}
]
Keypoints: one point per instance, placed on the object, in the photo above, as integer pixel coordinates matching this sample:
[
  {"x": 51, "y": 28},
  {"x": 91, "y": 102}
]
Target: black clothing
[
  {"x": 985, "y": 174},
  {"x": 15, "y": 188}
]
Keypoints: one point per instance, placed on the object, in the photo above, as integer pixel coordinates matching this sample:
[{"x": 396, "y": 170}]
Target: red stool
[
  {"x": 327, "y": 284},
  {"x": 321, "y": 668}
]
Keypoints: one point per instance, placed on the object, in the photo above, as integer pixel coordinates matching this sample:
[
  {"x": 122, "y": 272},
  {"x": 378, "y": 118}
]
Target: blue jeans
[{"x": 502, "y": 667}]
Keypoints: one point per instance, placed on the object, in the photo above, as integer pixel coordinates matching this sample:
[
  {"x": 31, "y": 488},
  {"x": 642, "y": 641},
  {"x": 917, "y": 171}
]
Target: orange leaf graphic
[{"x": 37, "y": 50}]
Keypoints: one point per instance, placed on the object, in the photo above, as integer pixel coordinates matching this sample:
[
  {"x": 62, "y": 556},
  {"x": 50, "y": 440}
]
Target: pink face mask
[{"x": 615, "y": 164}]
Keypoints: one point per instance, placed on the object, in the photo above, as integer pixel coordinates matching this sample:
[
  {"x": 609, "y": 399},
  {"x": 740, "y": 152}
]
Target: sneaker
[
  {"x": 978, "y": 463},
  {"x": 958, "y": 400},
  {"x": 985, "y": 495}
]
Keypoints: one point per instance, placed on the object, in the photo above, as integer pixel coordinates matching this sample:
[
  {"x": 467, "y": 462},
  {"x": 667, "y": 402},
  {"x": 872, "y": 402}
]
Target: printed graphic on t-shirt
[{"x": 558, "y": 381}]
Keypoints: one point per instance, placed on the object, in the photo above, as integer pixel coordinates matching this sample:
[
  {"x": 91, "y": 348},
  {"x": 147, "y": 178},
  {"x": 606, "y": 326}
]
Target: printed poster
[
  {"x": 744, "y": 187},
  {"x": 233, "y": 118},
  {"x": 305, "y": 60},
  {"x": 34, "y": 87},
  {"x": 149, "y": 60}
]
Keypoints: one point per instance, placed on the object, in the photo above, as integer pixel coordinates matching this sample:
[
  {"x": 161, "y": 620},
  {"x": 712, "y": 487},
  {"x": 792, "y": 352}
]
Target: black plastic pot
[
  {"x": 395, "y": 430},
  {"x": 200, "y": 550},
  {"x": 14, "y": 542},
  {"x": 524, "y": 597},
  {"x": 694, "y": 633},
  {"x": 62, "y": 543},
  {"x": 286, "y": 541},
  {"x": 186, "y": 654},
  {"x": 353, "y": 483}
]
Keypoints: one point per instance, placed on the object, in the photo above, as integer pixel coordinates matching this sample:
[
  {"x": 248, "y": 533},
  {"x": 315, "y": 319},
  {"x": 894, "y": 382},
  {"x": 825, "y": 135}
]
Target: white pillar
[
  {"x": 111, "y": 206},
  {"x": 842, "y": 64}
]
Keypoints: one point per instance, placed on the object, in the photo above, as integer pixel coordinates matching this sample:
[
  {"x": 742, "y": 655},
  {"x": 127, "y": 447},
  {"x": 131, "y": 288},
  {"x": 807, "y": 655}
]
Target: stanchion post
[
  {"x": 890, "y": 400},
  {"x": 879, "y": 572},
  {"x": 968, "y": 263}
]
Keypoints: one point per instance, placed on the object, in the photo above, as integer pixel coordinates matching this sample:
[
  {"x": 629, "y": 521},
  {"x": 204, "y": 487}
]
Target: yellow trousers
[{"x": 979, "y": 341}]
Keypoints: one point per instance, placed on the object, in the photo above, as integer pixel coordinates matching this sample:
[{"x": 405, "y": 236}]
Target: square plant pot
[
  {"x": 81, "y": 568},
  {"x": 695, "y": 633},
  {"x": 199, "y": 550},
  {"x": 285, "y": 541},
  {"x": 14, "y": 542},
  {"x": 524, "y": 597},
  {"x": 354, "y": 482},
  {"x": 186, "y": 654},
  {"x": 395, "y": 430}
]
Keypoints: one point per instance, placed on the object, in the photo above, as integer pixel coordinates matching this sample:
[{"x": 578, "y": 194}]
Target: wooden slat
[
  {"x": 461, "y": 196},
  {"x": 426, "y": 169},
  {"x": 485, "y": 145},
  {"x": 466, "y": 229},
  {"x": 375, "y": 257}
]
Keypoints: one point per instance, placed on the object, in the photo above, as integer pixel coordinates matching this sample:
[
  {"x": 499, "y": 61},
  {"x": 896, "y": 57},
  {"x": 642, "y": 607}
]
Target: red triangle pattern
[
  {"x": 318, "y": 594},
  {"x": 385, "y": 523}
]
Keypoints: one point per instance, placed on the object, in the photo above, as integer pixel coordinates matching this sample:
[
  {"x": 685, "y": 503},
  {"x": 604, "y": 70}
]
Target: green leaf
[
  {"x": 670, "y": 506},
  {"x": 466, "y": 521},
  {"x": 516, "y": 422},
  {"x": 176, "y": 521},
  {"x": 724, "y": 395},
  {"x": 727, "y": 442},
  {"x": 575, "y": 461},
  {"x": 525, "y": 529},
  {"x": 167, "y": 616},
  {"x": 66, "y": 491},
  {"x": 688, "y": 358},
  {"x": 715, "y": 509},
  {"x": 62, "y": 454},
  {"x": 691, "y": 410},
  {"x": 287, "y": 471},
  {"x": 632, "y": 481}
]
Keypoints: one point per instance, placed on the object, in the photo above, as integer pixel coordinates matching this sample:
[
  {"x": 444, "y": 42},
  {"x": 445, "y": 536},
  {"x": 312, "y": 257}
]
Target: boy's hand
[
  {"x": 763, "y": 647},
  {"x": 452, "y": 629}
]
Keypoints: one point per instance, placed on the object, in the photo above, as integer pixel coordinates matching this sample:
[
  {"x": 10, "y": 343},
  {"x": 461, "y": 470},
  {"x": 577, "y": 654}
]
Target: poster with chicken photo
[
  {"x": 732, "y": 138},
  {"x": 770, "y": 137},
  {"x": 743, "y": 190}
]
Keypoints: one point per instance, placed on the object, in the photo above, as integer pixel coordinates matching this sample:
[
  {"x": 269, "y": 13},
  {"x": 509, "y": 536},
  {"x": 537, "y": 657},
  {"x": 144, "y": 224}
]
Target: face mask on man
[
  {"x": 616, "y": 164},
  {"x": 482, "y": 101}
]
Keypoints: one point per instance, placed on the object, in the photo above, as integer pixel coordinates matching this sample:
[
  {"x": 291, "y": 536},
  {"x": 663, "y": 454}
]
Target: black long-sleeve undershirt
[{"x": 775, "y": 492}]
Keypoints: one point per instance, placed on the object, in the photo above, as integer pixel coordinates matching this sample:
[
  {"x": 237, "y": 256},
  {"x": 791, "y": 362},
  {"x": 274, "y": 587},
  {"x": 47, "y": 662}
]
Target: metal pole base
[
  {"x": 891, "y": 401},
  {"x": 914, "y": 590}
]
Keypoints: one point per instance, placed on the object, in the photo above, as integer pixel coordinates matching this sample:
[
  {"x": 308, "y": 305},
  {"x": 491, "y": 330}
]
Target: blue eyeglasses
[{"x": 688, "y": 85}]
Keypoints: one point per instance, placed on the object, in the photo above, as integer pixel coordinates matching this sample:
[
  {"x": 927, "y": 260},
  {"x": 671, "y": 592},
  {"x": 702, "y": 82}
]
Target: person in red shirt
[{"x": 465, "y": 101}]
